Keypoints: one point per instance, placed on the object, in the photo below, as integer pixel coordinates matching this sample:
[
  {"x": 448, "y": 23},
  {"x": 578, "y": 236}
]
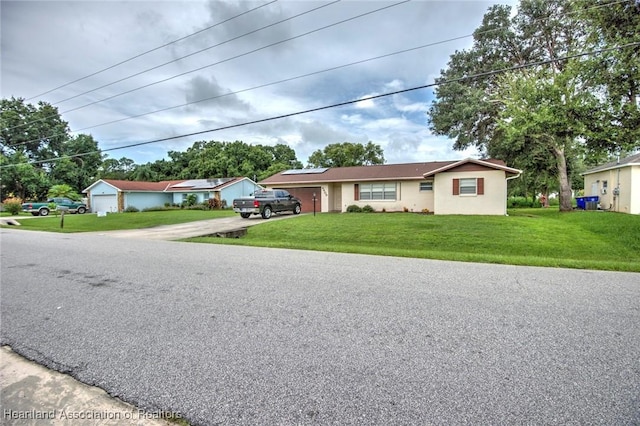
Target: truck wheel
[
  {"x": 245, "y": 215},
  {"x": 297, "y": 209},
  {"x": 81, "y": 210},
  {"x": 266, "y": 212},
  {"x": 43, "y": 212}
]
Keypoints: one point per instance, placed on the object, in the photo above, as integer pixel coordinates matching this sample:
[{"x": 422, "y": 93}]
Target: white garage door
[{"x": 104, "y": 203}]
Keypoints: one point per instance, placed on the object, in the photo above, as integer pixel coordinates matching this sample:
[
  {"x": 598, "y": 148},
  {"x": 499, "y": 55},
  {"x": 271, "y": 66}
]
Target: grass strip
[{"x": 535, "y": 237}]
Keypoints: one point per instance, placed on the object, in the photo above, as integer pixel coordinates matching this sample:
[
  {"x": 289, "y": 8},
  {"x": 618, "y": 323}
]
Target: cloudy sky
[{"x": 256, "y": 60}]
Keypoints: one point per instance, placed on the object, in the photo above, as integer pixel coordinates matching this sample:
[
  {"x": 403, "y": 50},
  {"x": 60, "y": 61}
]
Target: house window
[
  {"x": 426, "y": 186},
  {"x": 468, "y": 186},
  {"x": 377, "y": 191}
]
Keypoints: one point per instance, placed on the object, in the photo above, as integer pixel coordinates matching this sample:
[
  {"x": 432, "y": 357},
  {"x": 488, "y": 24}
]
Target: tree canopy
[
  {"x": 347, "y": 154},
  {"x": 205, "y": 159},
  {"x": 37, "y": 150},
  {"x": 544, "y": 116}
]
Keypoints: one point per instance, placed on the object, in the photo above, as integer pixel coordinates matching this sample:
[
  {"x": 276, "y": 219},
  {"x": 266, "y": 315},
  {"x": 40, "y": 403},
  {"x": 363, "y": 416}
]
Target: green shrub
[
  {"x": 53, "y": 208},
  {"x": 131, "y": 209},
  {"x": 368, "y": 209},
  {"x": 354, "y": 209},
  {"x": 160, "y": 208},
  {"x": 13, "y": 205},
  {"x": 191, "y": 200},
  {"x": 520, "y": 202},
  {"x": 216, "y": 204},
  {"x": 197, "y": 207}
]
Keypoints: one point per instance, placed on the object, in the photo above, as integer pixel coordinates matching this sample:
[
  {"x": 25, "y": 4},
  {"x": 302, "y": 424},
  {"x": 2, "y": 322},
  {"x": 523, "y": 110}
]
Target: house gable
[
  {"x": 481, "y": 191},
  {"x": 473, "y": 165}
]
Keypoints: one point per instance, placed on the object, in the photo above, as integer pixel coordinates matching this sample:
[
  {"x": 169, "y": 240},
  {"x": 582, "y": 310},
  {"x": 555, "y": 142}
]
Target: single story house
[
  {"x": 617, "y": 184},
  {"x": 466, "y": 186},
  {"x": 109, "y": 195}
]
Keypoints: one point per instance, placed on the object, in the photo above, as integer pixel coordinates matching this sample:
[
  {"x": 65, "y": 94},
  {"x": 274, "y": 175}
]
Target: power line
[
  {"x": 195, "y": 53},
  {"x": 396, "y": 92},
  {"x": 238, "y": 56},
  {"x": 221, "y": 61},
  {"x": 152, "y": 50},
  {"x": 279, "y": 81},
  {"x": 273, "y": 83}
]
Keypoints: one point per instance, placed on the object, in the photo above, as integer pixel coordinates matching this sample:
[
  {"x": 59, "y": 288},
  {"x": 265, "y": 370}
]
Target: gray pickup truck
[{"x": 267, "y": 202}]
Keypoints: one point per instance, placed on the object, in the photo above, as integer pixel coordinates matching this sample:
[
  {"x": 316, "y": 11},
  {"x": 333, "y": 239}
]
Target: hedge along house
[
  {"x": 617, "y": 184},
  {"x": 443, "y": 187},
  {"x": 109, "y": 195}
]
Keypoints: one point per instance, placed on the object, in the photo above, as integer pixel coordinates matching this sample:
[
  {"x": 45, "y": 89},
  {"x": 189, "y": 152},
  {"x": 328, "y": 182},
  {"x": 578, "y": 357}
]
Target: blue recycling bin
[{"x": 580, "y": 203}]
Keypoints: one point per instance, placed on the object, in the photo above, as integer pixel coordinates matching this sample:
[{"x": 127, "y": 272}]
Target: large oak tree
[{"x": 542, "y": 116}]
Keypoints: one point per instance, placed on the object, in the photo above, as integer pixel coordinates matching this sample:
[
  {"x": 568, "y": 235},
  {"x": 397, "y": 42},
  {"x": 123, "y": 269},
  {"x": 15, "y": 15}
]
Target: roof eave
[
  {"x": 88, "y": 188},
  {"x": 475, "y": 161},
  {"x": 343, "y": 180},
  {"x": 613, "y": 167}
]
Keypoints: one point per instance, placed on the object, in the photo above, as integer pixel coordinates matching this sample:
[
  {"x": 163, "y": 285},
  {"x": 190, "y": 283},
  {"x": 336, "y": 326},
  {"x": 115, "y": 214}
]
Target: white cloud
[{"x": 366, "y": 102}]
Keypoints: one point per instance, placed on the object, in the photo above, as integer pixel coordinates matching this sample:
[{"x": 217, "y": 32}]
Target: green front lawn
[
  {"x": 115, "y": 221},
  {"x": 537, "y": 237}
]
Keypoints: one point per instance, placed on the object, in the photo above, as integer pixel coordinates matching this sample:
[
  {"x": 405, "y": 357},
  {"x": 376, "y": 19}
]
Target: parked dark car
[{"x": 267, "y": 202}]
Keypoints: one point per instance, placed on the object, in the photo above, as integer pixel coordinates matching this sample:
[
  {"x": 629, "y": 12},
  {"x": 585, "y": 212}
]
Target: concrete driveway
[{"x": 199, "y": 228}]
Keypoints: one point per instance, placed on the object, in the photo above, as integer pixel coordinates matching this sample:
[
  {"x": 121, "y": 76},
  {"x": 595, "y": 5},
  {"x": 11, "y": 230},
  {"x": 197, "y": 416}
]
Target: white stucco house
[
  {"x": 468, "y": 186},
  {"x": 109, "y": 195},
  {"x": 617, "y": 184}
]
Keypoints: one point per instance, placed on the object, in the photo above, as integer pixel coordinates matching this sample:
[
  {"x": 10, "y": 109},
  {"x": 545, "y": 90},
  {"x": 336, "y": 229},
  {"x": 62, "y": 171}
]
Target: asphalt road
[{"x": 240, "y": 335}]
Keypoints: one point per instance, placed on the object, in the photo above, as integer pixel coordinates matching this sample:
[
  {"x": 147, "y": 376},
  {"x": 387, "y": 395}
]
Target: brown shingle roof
[
  {"x": 342, "y": 174},
  {"x": 406, "y": 171},
  {"x": 172, "y": 185}
]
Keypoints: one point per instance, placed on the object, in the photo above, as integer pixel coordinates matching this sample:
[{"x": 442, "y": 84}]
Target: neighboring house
[
  {"x": 443, "y": 187},
  {"x": 617, "y": 184},
  {"x": 109, "y": 195}
]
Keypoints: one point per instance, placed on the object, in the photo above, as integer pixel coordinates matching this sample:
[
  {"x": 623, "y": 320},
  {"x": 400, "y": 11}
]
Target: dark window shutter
[
  {"x": 456, "y": 187},
  {"x": 356, "y": 192},
  {"x": 480, "y": 184}
]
